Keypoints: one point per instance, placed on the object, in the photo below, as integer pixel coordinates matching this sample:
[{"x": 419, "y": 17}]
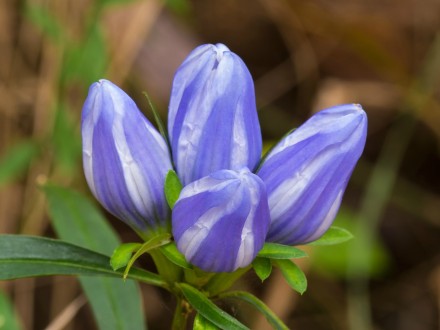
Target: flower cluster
[{"x": 232, "y": 201}]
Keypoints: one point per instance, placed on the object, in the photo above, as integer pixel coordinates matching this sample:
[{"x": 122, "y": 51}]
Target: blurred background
[{"x": 304, "y": 56}]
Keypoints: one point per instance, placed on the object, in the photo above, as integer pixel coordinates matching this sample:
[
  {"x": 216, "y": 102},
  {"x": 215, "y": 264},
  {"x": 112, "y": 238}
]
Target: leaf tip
[{"x": 172, "y": 188}]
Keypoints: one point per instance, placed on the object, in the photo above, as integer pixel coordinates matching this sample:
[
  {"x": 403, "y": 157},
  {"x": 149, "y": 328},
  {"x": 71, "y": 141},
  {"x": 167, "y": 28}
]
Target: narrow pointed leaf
[
  {"x": 334, "y": 235},
  {"x": 262, "y": 267},
  {"x": 29, "y": 256},
  {"x": 157, "y": 119},
  {"x": 173, "y": 187},
  {"x": 209, "y": 310},
  {"x": 122, "y": 254},
  {"x": 280, "y": 251},
  {"x": 258, "y": 304},
  {"x": 200, "y": 323},
  {"x": 147, "y": 246},
  {"x": 293, "y": 275}
]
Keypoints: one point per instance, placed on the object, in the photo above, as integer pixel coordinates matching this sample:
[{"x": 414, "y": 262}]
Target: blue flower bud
[
  {"x": 220, "y": 222},
  {"x": 212, "y": 121},
  {"x": 125, "y": 159},
  {"x": 307, "y": 172}
]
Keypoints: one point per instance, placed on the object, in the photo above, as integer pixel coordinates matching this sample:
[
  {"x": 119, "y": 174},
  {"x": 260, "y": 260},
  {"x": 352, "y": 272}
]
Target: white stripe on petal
[
  {"x": 206, "y": 184},
  {"x": 134, "y": 180},
  {"x": 160, "y": 141},
  {"x": 291, "y": 189},
  {"x": 326, "y": 222},
  {"x": 324, "y": 124},
  {"x": 87, "y": 141},
  {"x": 240, "y": 148},
  {"x": 246, "y": 249},
  {"x": 190, "y": 135},
  {"x": 194, "y": 236}
]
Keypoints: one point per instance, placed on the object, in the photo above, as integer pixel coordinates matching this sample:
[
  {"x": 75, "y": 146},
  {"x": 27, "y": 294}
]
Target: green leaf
[
  {"x": 8, "y": 318},
  {"x": 115, "y": 2},
  {"x": 293, "y": 275},
  {"x": 87, "y": 60},
  {"x": 115, "y": 304},
  {"x": 334, "y": 235},
  {"x": 200, "y": 323},
  {"x": 45, "y": 21},
  {"x": 16, "y": 161},
  {"x": 181, "y": 7},
  {"x": 66, "y": 140},
  {"x": 108, "y": 298},
  {"x": 173, "y": 254},
  {"x": 158, "y": 120},
  {"x": 77, "y": 220},
  {"x": 149, "y": 245},
  {"x": 258, "y": 304},
  {"x": 280, "y": 251},
  {"x": 372, "y": 261},
  {"x": 122, "y": 254},
  {"x": 208, "y": 309},
  {"x": 262, "y": 267},
  {"x": 29, "y": 256},
  {"x": 173, "y": 187}
]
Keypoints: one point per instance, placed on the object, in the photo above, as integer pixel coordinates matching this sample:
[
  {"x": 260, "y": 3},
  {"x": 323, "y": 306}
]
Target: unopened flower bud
[
  {"x": 125, "y": 159},
  {"x": 220, "y": 221},
  {"x": 307, "y": 172}
]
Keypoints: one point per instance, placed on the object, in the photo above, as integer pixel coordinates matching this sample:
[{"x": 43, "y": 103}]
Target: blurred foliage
[
  {"x": 116, "y": 304},
  {"x": 16, "y": 161},
  {"x": 181, "y": 7},
  {"x": 46, "y": 21},
  {"x": 8, "y": 318},
  {"x": 66, "y": 140},
  {"x": 372, "y": 262}
]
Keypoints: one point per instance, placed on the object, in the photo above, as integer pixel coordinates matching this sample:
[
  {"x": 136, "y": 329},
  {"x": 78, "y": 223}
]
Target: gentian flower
[
  {"x": 307, "y": 172},
  {"x": 212, "y": 120},
  {"x": 228, "y": 208},
  {"x": 125, "y": 159},
  {"x": 220, "y": 222}
]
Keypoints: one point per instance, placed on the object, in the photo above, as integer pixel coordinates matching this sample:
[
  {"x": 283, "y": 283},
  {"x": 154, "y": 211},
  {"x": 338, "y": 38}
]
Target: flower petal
[
  {"x": 125, "y": 159},
  {"x": 213, "y": 122},
  {"x": 220, "y": 221},
  {"x": 307, "y": 172}
]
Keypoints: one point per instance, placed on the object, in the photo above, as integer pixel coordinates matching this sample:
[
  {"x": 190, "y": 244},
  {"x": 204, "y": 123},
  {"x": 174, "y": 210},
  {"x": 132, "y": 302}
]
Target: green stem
[
  {"x": 170, "y": 272},
  {"x": 197, "y": 277},
  {"x": 181, "y": 313},
  {"x": 223, "y": 281}
]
